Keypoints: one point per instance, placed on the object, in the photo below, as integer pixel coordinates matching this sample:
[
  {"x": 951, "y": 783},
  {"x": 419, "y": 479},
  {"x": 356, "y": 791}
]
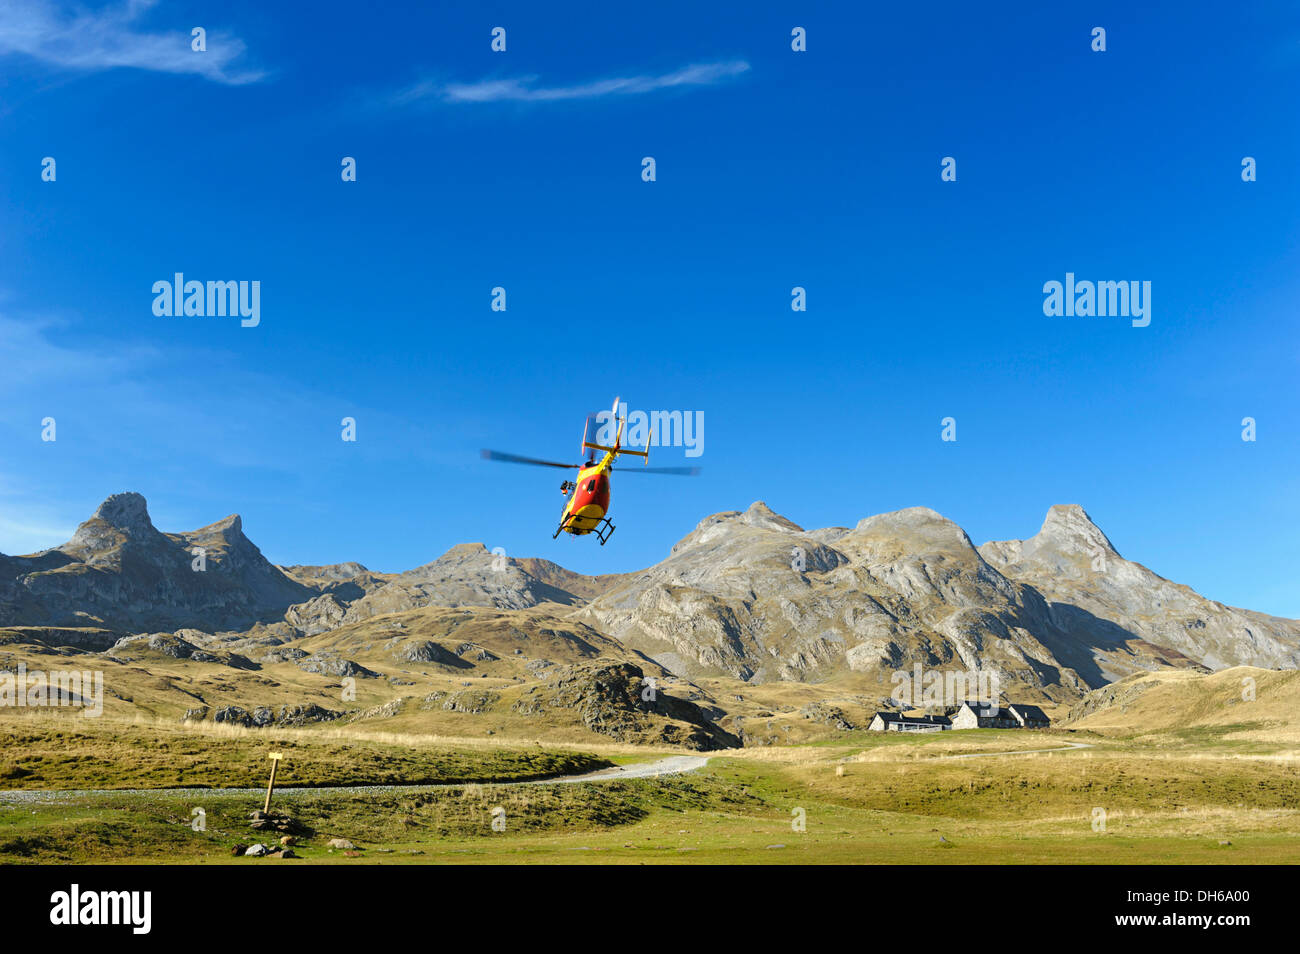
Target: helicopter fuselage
[{"x": 588, "y": 502}]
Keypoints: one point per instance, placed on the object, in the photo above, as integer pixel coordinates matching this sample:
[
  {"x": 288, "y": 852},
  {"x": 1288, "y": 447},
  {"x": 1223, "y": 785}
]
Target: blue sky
[{"x": 522, "y": 169}]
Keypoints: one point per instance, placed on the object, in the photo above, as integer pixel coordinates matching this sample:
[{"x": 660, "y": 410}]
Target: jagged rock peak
[
  {"x": 127, "y": 512},
  {"x": 463, "y": 555},
  {"x": 463, "y": 551},
  {"x": 910, "y": 517},
  {"x": 1069, "y": 525},
  {"x": 230, "y": 526},
  {"x": 760, "y": 514},
  {"x": 333, "y": 571},
  {"x": 916, "y": 524}
]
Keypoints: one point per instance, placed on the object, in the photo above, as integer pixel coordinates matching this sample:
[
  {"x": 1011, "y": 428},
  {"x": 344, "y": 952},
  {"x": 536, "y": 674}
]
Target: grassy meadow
[{"x": 1209, "y": 794}]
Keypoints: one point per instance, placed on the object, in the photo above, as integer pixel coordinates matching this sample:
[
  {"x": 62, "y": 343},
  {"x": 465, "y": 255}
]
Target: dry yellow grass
[{"x": 1254, "y": 704}]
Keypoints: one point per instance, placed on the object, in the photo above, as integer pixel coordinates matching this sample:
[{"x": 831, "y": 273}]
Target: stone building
[{"x": 897, "y": 722}]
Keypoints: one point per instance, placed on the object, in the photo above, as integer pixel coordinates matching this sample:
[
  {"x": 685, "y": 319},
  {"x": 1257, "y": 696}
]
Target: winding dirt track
[{"x": 673, "y": 765}]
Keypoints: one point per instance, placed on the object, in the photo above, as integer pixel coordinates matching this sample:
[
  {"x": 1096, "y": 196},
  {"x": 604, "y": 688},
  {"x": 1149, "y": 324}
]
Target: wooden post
[{"x": 275, "y": 762}]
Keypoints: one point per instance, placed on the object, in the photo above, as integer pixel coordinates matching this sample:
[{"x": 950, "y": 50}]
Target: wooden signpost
[{"x": 275, "y": 762}]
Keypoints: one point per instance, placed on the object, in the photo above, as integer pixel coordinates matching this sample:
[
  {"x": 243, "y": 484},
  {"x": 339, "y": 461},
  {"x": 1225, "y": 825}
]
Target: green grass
[
  {"x": 157, "y": 825},
  {"x": 72, "y": 755},
  {"x": 735, "y": 811}
]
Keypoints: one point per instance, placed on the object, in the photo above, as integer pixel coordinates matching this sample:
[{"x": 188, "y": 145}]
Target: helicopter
[{"x": 586, "y": 505}]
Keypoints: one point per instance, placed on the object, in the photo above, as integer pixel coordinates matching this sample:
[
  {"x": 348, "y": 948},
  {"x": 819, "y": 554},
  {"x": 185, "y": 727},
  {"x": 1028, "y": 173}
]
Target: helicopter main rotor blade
[
  {"x": 516, "y": 459},
  {"x": 678, "y": 471}
]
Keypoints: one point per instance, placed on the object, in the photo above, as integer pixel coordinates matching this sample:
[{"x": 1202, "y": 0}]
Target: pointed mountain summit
[
  {"x": 127, "y": 512},
  {"x": 122, "y": 520},
  {"x": 915, "y": 530},
  {"x": 1069, "y": 525},
  {"x": 1068, "y": 533},
  {"x": 759, "y": 514}
]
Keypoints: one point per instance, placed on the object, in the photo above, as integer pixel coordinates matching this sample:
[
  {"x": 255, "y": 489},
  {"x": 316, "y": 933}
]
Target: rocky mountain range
[
  {"x": 1096, "y": 595},
  {"x": 119, "y": 572},
  {"x": 752, "y": 595},
  {"x": 747, "y": 596}
]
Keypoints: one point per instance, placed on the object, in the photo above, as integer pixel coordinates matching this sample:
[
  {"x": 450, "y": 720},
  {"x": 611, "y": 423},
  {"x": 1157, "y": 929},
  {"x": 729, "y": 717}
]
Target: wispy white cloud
[
  {"x": 111, "y": 37},
  {"x": 524, "y": 89}
]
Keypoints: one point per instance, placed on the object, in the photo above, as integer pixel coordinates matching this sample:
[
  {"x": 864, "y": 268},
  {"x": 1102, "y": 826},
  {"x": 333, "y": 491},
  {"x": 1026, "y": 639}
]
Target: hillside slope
[
  {"x": 1094, "y": 592},
  {"x": 1249, "y": 702}
]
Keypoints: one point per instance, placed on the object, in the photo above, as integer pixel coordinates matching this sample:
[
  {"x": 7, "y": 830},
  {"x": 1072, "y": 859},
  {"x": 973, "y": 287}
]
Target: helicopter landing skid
[{"x": 603, "y": 530}]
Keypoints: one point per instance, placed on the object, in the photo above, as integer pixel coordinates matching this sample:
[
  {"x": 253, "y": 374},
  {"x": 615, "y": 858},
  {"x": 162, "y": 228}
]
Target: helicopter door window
[{"x": 591, "y": 485}]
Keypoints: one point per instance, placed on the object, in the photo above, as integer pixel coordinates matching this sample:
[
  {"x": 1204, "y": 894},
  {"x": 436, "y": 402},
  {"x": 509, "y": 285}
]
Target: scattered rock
[
  {"x": 476, "y": 652},
  {"x": 302, "y": 715},
  {"x": 263, "y": 716},
  {"x": 474, "y": 702},
  {"x": 617, "y": 701},
  {"x": 232, "y": 714},
  {"x": 276, "y": 822},
  {"x": 283, "y": 654},
  {"x": 829, "y": 715},
  {"x": 327, "y": 663},
  {"x": 255, "y": 851},
  {"x": 428, "y": 652},
  {"x": 385, "y": 711}
]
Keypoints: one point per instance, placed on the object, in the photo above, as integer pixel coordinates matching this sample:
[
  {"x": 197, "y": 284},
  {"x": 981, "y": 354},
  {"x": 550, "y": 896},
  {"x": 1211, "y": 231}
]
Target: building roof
[
  {"x": 913, "y": 720},
  {"x": 1026, "y": 711},
  {"x": 984, "y": 710}
]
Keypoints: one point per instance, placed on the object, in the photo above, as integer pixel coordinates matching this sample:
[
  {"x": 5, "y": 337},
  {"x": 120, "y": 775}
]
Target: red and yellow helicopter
[{"x": 586, "y": 509}]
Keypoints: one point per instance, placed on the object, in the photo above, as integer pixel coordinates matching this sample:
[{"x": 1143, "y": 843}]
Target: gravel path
[{"x": 673, "y": 765}]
